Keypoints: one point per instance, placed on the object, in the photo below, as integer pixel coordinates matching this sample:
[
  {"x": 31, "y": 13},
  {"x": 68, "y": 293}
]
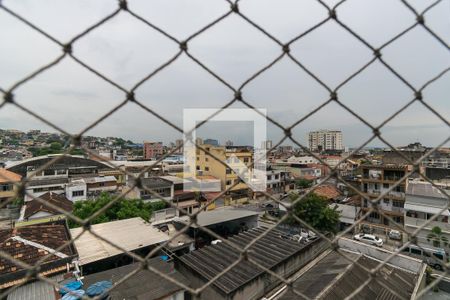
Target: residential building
[
  {"x": 277, "y": 180},
  {"x": 239, "y": 158},
  {"x": 99, "y": 184},
  {"x": 35, "y": 209},
  {"x": 41, "y": 185},
  {"x": 267, "y": 145},
  {"x": 323, "y": 140},
  {"x": 8, "y": 188},
  {"x": 164, "y": 189},
  {"x": 153, "y": 150},
  {"x": 229, "y": 143},
  {"x": 377, "y": 179},
  {"x": 76, "y": 190},
  {"x": 424, "y": 201}
]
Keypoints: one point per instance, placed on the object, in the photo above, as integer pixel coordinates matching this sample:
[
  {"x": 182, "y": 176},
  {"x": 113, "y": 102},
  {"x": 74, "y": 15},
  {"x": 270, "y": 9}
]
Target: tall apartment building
[
  {"x": 266, "y": 145},
  {"x": 322, "y": 140},
  {"x": 376, "y": 180},
  {"x": 153, "y": 150},
  {"x": 207, "y": 165}
]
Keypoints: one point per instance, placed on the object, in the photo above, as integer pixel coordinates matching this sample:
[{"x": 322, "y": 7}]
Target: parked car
[
  {"x": 307, "y": 233},
  {"x": 395, "y": 235},
  {"x": 369, "y": 239},
  {"x": 434, "y": 257}
]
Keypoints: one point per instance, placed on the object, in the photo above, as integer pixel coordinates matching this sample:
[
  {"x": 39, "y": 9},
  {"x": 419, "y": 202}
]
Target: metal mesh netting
[{"x": 130, "y": 98}]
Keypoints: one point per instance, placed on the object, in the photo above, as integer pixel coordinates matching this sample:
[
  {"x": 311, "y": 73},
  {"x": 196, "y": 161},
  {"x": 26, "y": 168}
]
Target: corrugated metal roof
[
  {"x": 35, "y": 290},
  {"x": 335, "y": 277},
  {"x": 130, "y": 234},
  {"x": 269, "y": 251}
]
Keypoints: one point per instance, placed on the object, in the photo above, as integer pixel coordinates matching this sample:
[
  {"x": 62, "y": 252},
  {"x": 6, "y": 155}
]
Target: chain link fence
[{"x": 130, "y": 97}]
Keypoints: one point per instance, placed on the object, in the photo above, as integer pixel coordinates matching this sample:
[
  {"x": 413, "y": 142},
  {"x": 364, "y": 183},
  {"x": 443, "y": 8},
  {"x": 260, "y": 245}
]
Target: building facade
[
  {"x": 153, "y": 150},
  {"x": 376, "y": 180},
  {"x": 323, "y": 140}
]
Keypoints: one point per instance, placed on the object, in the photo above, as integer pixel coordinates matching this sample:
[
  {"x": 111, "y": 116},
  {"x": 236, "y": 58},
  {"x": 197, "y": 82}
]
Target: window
[
  {"x": 198, "y": 158},
  {"x": 228, "y": 182},
  {"x": 206, "y": 168},
  {"x": 399, "y": 188},
  {"x": 406, "y": 249},
  {"x": 269, "y": 177},
  {"x": 375, "y": 186},
  {"x": 246, "y": 160},
  {"x": 198, "y": 168},
  {"x": 386, "y": 201},
  {"x": 6, "y": 187},
  {"x": 101, "y": 184},
  {"x": 397, "y": 219},
  {"x": 276, "y": 176},
  {"x": 385, "y": 185},
  {"x": 77, "y": 193},
  {"x": 228, "y": 171},
  {"x": 416, "y": 251},
  {"x": 439, "y": 256},
  {"x": 396, "y": 203},
  {"x": 206, "y": 159}
]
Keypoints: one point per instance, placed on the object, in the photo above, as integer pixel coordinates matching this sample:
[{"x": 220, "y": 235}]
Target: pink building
[{"x": 153, "y": 150}]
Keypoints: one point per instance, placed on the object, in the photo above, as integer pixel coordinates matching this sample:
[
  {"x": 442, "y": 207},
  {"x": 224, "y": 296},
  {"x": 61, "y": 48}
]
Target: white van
[{"x": 434, "y": 257}]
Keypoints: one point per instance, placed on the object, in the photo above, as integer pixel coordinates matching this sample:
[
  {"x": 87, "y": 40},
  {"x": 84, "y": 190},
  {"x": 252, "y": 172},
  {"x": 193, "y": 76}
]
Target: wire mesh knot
[
  {"x": 8, "y": 97},
  {"x": 418, "y": 95},
  {"x": 377, "y": 53},
  {"x": 183, "y": 46},
  {"x": 332, "y": 14},
  {"x": 238, "y": 95},
  {"x": 123, "y": 4},
  {"x": 67, "y": 48},
  {"x": 286, "y": 48},
  {"x": 234, "y": 7},
  {"x": 130, "y": 96},
  {"x": 420, "y": 19},
  {"x": 76, "y": 140},
  {"x": 333, "y": 95}
]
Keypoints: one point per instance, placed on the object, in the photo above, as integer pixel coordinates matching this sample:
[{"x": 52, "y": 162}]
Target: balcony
[{"x": 414, "y": 222}]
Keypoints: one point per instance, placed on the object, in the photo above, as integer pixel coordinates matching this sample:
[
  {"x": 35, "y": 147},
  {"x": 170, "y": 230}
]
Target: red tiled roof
[
  {"x": 327, "y": 191},
  {"x": 51, "y": 236},
  {"x": 34, "y": 206},
  {"x": 8, "y": 176}
]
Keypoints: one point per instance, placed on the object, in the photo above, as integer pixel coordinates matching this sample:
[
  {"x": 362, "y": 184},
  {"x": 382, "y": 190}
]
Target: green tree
[
  {"x": 314, "y": 210},
  {"x": 303, "y": 183},
  {"x": 121, "y": 209},
  {"x": 55, "y": 146},
  {"x": 436, "y": 236}
]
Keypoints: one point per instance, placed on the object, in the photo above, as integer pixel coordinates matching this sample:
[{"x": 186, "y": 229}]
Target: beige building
[
  {"x": 325, "y": 140},
  {"x": 237, "y": 158},
  {"x": 7, "y": 187}
]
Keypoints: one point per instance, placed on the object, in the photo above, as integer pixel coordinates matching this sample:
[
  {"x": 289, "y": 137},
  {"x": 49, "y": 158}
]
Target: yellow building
[
  {"x": 7, "y": 188},
  {"x": 237, "y": 158}
]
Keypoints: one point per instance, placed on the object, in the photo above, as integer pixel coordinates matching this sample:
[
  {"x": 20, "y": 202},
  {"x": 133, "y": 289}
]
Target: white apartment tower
[{"x": 325, "y": 140}]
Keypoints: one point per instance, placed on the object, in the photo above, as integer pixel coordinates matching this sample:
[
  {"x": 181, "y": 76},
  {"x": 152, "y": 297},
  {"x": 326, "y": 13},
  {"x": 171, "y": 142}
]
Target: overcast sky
[{"x": 126, "y": 50}]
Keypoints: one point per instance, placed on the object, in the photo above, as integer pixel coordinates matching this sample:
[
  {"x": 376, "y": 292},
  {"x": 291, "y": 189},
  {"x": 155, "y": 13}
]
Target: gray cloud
[{"x": 126, "y": 50}]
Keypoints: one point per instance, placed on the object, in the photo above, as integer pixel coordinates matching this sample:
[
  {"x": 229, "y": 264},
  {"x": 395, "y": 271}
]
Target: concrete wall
[{"x": 400, "y": 260}]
